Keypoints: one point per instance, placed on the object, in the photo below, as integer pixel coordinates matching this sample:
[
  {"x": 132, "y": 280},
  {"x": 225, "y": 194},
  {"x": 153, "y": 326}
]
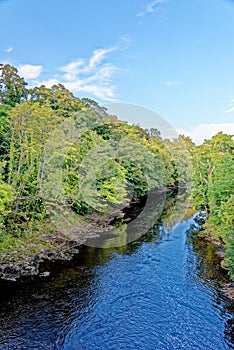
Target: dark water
[{"x": 161, "y": 292}]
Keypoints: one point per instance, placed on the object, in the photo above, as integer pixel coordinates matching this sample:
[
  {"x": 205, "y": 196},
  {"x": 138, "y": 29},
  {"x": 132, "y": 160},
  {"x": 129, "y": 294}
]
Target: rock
[
  {"x": 10, "y": 270},
  {"x": 10, "y": 278},
  {"x": 223, "y": 266},
  {"x": 10, "y": 273},
  {"x": 44, "y": 274},
  {"x": 220, "y": 253},
  {"x": 200, "y": 218},
  {"x": 228, "y": 290},
  {"x": 217, "y": 244}
]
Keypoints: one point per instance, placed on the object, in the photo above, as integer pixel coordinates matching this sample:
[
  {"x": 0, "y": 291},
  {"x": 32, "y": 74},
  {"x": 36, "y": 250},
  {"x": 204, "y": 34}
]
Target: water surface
[{"x": 160, "y": 292}]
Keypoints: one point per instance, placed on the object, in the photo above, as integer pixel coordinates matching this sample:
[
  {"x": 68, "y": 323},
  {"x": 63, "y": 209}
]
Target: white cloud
[
  {"x": 84, "y": 66},
  {"x": 230, "y": 105},
  {"x": 90, "y": 75},
  {"x": 9, "y": 49},
  {"x": 106, "y": 93},
  {"x": 140, "y": 14},
  {"x": 48, "y": 83},
  {"x": 150, "y": 7},
  {"x": 229, "y": 110},
  {"x": 206, "y": 131},
  {"x": 99, "y": 55},
  {"x": 29, "y": 71},
  {"x": 72, "y": 68},
  {"x": 171, "y": 83}
]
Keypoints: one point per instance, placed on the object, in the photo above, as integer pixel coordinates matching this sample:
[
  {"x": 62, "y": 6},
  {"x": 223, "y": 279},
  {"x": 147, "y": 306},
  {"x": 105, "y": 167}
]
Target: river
[{"x": 160, "y": 292}]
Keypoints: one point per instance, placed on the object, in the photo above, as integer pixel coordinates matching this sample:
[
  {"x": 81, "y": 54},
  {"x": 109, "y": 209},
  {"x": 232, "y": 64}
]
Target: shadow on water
[
  {"x": 141, "y": 295},
  {"x": 210, "y": 272}
]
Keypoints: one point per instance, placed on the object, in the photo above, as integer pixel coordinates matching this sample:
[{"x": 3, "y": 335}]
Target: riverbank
[
  {"x": 24, "y": 255},
  {"x": 28, "y": 252}
]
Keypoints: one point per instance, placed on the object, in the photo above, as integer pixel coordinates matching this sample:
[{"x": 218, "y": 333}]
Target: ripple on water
[{"x": 151, "y": 297}]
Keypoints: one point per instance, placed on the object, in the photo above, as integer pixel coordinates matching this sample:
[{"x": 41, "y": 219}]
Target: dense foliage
[
  {"x": 60, "y": 153},
  {"x": 213, "y": 188}
]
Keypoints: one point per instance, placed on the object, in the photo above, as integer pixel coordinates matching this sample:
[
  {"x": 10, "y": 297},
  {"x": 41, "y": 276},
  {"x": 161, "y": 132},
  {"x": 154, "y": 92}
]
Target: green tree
[
  {"x": 31, "y": 127},
  {"x": 6, "y": 200},
  {"x": 214, "y": 188},
  {"x": 226, "y": 231},
  {"x": 12, "y": 86},
  {"x": 221, "y": 185},
  {"x": 5, "y": 137},
  {"x": 61, "y": 100}
]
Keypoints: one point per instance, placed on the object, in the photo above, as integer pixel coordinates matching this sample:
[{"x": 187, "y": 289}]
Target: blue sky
[{"x": 175, "y": 57}]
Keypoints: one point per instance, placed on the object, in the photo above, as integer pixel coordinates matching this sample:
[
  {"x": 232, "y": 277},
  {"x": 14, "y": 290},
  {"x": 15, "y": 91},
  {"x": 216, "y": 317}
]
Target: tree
[
  {"x": 214, "y": 188},
  {"x": 206, "y": 159},
  {"x": 221, "y": 143},
  {"x": 31, "y": 127},
  {"x": 91, "y": 104},
  {"x": 6, "y": 200},
  {"x": 221, "y": 185},
  {"x": 5, "y": 132},
  {"x": 12, "y": 86},
  {"x": 61, "y": 100},
  {"x": 227, "y": 232}
]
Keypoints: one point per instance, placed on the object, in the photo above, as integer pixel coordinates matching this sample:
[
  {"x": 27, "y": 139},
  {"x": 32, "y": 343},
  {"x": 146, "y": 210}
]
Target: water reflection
[
  {"x": 162, "y": 291},
  {"x": 209, "y": 272}
]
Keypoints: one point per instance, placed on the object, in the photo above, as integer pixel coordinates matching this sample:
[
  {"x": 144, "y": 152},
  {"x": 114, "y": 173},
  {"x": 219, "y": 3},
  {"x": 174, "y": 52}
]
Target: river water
[{"x": 160, "y": 292}]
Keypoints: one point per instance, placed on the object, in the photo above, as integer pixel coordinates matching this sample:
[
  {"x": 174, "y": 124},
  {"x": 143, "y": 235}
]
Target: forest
[{"x": 60, "y": 153}]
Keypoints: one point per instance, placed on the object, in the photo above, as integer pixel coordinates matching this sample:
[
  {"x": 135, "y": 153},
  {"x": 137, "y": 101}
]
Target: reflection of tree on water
[
  {"x": 41, "y": 314},
  {"x": 209, "y": 271},
  {"x": 159, "y": 208},
  {"x": 207, "y": 262}
]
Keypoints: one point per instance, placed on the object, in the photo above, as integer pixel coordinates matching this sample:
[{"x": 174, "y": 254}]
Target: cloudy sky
[{"x": 175, "y": 57}]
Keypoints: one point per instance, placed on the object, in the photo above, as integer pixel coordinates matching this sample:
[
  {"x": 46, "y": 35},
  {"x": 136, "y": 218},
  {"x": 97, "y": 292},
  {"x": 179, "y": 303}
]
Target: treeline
[
  {"x": 213, "y": 189},
  {"x": 62, "y": 154}
]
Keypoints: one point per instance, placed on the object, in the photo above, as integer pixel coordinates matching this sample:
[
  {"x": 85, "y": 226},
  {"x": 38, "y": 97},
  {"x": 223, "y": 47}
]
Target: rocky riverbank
[
  {"x": 26, "y": 259},
  {"x": 34, "y": 250}
]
